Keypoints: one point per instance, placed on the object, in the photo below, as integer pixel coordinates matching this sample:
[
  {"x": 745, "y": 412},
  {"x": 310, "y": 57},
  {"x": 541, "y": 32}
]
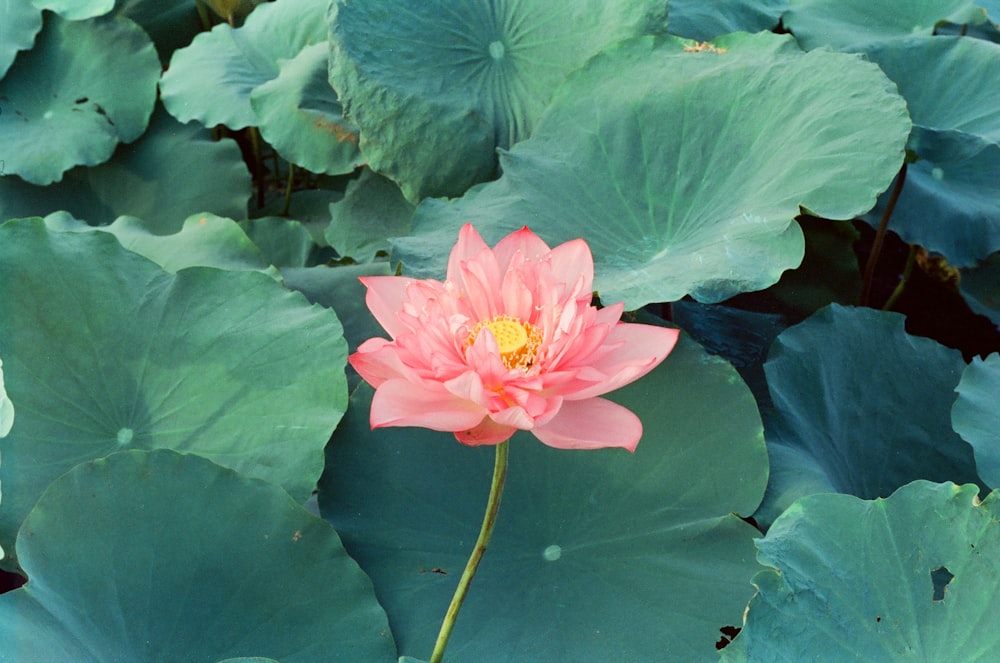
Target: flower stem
[
  {"x": 485, "y": 532},
  {"x": 883, "y": 226},
  {"x": 907, "y": 270}
]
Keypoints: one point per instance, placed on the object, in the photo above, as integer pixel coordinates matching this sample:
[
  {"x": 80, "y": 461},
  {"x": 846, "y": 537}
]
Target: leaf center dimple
[
  {"x": 125, "y": 436},
  {"x": 497, "y": 49}
]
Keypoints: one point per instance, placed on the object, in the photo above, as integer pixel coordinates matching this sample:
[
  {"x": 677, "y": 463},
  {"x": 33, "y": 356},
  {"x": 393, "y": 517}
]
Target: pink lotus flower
[{"x": 509, "y": 341}]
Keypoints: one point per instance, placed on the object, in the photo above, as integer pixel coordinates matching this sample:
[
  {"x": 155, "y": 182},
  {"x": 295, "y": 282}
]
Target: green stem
[
  {"x": 883, "y": 228},
  {"x": 206, "y": 21},
  {"x": 258, "y": 164},
  {"x": 489, "y": 520},
  {"x": 288, "y": 189},
  {"x": 901, "y": 286}
]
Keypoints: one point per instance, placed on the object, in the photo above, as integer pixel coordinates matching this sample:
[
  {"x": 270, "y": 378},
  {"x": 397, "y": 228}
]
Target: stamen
[{"x": 517, "y": 341}]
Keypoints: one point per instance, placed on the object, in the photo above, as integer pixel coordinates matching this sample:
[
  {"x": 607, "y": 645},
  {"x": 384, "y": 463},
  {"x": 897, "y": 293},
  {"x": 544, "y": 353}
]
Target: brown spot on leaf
[{"x": 704, "y": 47}]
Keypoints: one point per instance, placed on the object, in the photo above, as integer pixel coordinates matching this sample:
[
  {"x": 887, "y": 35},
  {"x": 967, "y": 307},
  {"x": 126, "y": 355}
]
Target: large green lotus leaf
[
  {"x": 947, "y": 82},
  {"x": 172, "y": 172},
  {"x": 707, "y": 19},
  {"x": 975, "y": 415},
  {"x": 980, "y": 286},
  {"x": 161, "y": 556},
  {"x": 861, "y": 407},
  {"x": 950, "y": 199},
  {"x": 211, "y": 80},
  {"x": 105, "y": 351},
  {"x": 299, "y": 115},
  {"x": 282, "y": 242},
  {"x": 340, "y": 289},
  {"x": 950, "y": 202},
  {"x": 597, "y": 555},
  {"x": 20, "y": 23},
  {"x": 72, "y": 98},
  {"x": 914, "y": 577},
  {"x": 373, "y": 210},
  {"x": 205, "y": 240},
  {"x": 437, "y": 86},
  {"x": 684, "y": 165},
  {"x": 859, "y": 24}
]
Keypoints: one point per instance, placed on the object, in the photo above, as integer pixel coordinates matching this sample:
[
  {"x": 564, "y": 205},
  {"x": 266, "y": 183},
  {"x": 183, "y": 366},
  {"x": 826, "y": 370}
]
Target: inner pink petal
[
  {"x": 469, "y": 245},
  {"x": 480, "y": 282}
]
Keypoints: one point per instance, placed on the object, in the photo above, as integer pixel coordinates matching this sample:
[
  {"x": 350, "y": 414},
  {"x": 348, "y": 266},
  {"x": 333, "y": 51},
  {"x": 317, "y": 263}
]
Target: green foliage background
[{"x": 189, "y": 191}]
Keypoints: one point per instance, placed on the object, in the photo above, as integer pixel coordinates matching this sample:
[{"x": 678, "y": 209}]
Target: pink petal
[
  {"x": 591, "y": 424},
  {"x": 378, "y": 360},
  {"x": 479, "y": 279},
  {"x": 637, "y": 349},
  {"x": 524, "y": 241},
  {"x": 573, "y": 264},
  {"x": 487, "y": 432},
  {"x": 468, "y": 246},
  {"x": 516, "y": 293},
  {"x": 428, "y": 405},
  {"x": 513, "y": 417},
  {"x": 385, "y": 298}
]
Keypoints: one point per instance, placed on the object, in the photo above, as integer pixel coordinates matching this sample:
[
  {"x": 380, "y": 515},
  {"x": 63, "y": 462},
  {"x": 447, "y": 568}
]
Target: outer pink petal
[
  {"x": 513, "y": 417},
  {"x": 572, "y": 261},
  {"x": 469, "y": 245},
  {"x": 487, "y": 432},
  {"x": 528, "y": 243},
  {"x": 640, "y": 349},
  {"x": 385, "y": 298},
  {"x": 377, "y": 360},
  {"x": 428, "y": 405},
  {"x": 591, "y": 424}
]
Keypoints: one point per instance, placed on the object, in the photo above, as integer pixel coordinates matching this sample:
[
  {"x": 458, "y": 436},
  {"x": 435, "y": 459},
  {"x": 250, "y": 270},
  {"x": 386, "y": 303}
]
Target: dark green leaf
[
  {"x": 861, "y": 407},
  {"x": 72, "y": 98},
  {"x": 976, "y": 417},
  {"x": 909, "y": 578},
  {"x": 172, "y": 172},
  {"x": 437, "y": 86},
  {"x": 857, "y": 24},
  {"x": 372, "y": 211},
  {"x": 160, "y": 556}
]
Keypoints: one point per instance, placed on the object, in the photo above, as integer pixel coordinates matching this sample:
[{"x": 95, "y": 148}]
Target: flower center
[{"x": 517, "y": 341}]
